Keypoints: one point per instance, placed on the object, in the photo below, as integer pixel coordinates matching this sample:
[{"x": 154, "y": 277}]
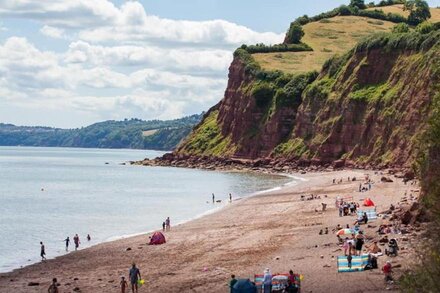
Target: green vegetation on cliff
[{"x": 133, "y": 133}]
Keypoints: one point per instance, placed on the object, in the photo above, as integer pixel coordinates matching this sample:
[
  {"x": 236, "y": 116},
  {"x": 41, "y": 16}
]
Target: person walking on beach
[
  {"x": 67, "y": 240},
  {"x": 168, "y": 223},
  {"x": 232, "y": 283},
  {"x": 213, "y": 198},
  {"x": 53, "y": 288},
  {"x": 135, "y": 275},
  {"x": 267, "y": 281},
  {"x": 42, "y": 251},
  {"x": 387, "y": 271},
  {"x": 123, "y": 284},
  {"x": 76, "y": 241}
]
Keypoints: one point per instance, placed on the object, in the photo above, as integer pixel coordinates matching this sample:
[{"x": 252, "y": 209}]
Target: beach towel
[
  {"x": 358, "y": 263},
  {"x": 371, "y": 214}
]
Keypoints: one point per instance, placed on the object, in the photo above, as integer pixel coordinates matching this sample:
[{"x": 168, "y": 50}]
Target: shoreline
[
  {"x": 195, "y": 217},
  {"x": 242, "y": 238}
]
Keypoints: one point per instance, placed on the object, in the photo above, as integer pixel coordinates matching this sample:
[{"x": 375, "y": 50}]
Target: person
[
  {"x": 88, "y": 237},
  {"x": 53, "y": 288},
  {"x": 135, "y": 275},
  {"x": 232, "y": 283},
  {"x": 365, "y": 218},
  {"x": 360, "y": 187},
  {"x": 326, "y": 230},
  {"x": 341, "y": 210},
  {"x": 163, "y": 226},
  {"x": 42, "y": 251},
  {"x": 230, "y": 197},
  {"x": 67, "y": 240},
  {"x": 168, "y": 224},
  {"x": 359, "y": 243},
  {"x": 291, "y": 283},
  {"x": 374, "y": 248},
  {"x": 346, "y": 246},
  {"x": 267, "y": 281},
  {"x": 387, "y": 271},
  {"x": 213, "y": 198},
  {"x": 349, "y": 259},
  {"x": 324, "y": 206},
  {"x": 123, "y": 284},
  {"x": 76, "y": 241}
]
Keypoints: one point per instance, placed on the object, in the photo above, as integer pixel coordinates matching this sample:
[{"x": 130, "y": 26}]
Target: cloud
[
  {"x": 118, "y": 62},
  {"x": 53, "y": 32}
]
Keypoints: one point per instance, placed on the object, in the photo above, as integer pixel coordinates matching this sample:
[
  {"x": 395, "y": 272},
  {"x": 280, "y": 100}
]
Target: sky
[{"x": 71, "y": 63}]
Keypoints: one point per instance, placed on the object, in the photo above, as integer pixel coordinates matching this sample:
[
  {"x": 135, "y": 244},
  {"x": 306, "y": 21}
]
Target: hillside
[
  {"x": 133, "y": 133},
  {"x": 366, "y": 107}
]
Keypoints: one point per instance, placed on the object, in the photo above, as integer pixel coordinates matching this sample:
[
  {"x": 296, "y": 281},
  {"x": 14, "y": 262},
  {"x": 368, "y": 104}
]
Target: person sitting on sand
[
  {"x": 326, "y": 230},
  {"x": 53, "y": 288},
  {"x": 373, "y": 248},
  {"x": 320, "y": 232},
  {"x": 123, "y": 284},
  {"x": 135, "y": 275},
  {"x": 232, "y": 283}
]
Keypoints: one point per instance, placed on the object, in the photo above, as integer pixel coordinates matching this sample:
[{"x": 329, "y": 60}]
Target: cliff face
[{"x": 368, "y": 107}]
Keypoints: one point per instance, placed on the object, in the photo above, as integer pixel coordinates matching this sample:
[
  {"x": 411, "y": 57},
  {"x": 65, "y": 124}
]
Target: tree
[
  {"x": 358, "y": 3},
  {"x": 418, "y": 11},
  {"x": 401, "y": 28},
  {"x": 295, "y": 34}
]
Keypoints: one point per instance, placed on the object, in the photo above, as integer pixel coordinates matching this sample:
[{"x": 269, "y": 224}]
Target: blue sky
[{"x": 70, "y": 63}]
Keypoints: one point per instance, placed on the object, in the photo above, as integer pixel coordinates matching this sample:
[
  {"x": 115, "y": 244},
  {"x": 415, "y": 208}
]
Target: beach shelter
[
  {"x": 157, "y": 238},
  {"x": 368, "y": 202},
  {"x": 244, "y": 286}
]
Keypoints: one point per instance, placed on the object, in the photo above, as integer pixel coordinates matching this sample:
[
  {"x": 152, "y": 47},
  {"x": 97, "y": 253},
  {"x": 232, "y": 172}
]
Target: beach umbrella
[{"x": 344, "y": 232}]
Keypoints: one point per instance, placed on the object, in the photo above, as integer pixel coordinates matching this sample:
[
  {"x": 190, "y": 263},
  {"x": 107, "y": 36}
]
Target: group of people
[
  {"x": 353, "y": 245},
  {"x": 347, "y": 208},
  {"x": 166, "y": 225},
  {"x": 219, "y": 200},
  {"x": 292, "y": 285},
  {"x": 76, "y": 241}
]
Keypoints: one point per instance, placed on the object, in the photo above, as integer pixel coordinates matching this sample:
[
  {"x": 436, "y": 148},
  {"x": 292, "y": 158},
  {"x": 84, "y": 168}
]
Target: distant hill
[{"x": 129, "y": 133}]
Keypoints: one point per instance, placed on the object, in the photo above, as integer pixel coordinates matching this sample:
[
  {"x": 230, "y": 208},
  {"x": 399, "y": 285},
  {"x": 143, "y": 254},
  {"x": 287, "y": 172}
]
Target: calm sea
[{"x": 47, "y": 194}]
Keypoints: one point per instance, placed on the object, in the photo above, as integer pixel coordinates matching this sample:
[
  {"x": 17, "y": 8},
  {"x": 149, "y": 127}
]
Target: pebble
[{"x": 128, "y": 249}]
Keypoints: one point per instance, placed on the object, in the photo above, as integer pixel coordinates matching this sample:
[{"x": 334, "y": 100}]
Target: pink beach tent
[
  {"x": 157, "y": 238},
  {"x": 368, "y": 202}
]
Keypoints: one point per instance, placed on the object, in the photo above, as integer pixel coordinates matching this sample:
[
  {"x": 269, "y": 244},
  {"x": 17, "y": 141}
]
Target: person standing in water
[
  {"x": 88, "y": 237},
  {"x": 76, "y": 241},
  {"x": 42, "y": 251},
  {"x": 67, "y": 240},
  {"x": 213, "y": 198},
  {"x": 168, "y": 223},
  {"x": 230, "y": 197},
  {"x": 163, "y": 226}
]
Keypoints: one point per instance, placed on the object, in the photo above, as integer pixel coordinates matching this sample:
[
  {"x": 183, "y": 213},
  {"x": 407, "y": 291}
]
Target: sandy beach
[{"x": 275, "y": 230}]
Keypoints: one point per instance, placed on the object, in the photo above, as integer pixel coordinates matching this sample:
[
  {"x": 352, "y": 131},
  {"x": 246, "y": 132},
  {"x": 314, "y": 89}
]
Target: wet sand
[{"x": 275, "y": 230}]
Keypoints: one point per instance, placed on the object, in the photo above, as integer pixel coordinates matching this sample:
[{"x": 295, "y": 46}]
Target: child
[
  {"x": 349, "y": 258},
  {"x": 124, "y": 284}
]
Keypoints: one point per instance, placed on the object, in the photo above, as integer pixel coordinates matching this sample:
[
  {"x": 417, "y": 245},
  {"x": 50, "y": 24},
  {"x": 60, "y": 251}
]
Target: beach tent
[
  {"x": 371, "y": 214},
  {"x": 368, "y": 202},
  {"x": 244, "y": 286},
  {"x": 157, "y": 238},
  {"x": 358, "y": 263}
]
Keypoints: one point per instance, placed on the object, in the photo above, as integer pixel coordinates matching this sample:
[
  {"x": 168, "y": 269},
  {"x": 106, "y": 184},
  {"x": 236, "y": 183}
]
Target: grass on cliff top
[
  {"x": 398, "y": 9},
  {"x": 327, "y": 37}
]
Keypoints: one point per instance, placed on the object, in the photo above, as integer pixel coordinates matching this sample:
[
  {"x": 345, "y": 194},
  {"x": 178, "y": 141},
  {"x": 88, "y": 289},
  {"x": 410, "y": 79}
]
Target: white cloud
[
  {"x": 53, "y": 32},
  {"x": 119, "y": 62}
]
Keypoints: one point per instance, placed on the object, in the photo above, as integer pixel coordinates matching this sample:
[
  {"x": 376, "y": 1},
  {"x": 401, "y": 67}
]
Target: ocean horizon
[{"x": 48, "y": 194}]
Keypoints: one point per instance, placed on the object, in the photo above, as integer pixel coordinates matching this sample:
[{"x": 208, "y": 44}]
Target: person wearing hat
[{"x": 267, "y": 281}]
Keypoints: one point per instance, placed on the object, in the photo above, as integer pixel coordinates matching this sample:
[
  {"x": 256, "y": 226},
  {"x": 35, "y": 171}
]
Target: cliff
[{"x": 365, "y": 108}]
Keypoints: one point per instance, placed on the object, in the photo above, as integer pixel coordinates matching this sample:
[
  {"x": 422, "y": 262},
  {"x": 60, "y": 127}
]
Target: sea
[{"x": 47, "y": 194}]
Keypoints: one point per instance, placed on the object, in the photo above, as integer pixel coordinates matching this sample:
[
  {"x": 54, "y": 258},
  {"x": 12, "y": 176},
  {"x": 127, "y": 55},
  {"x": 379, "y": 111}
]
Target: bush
[
  {"x": 401, "y": 28},
  {"x": 261, "y": 48},
  {"x": 425, "y": 27},
  {"x": 358, "y": 3},
  {"x": 263, "y": 94}
]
